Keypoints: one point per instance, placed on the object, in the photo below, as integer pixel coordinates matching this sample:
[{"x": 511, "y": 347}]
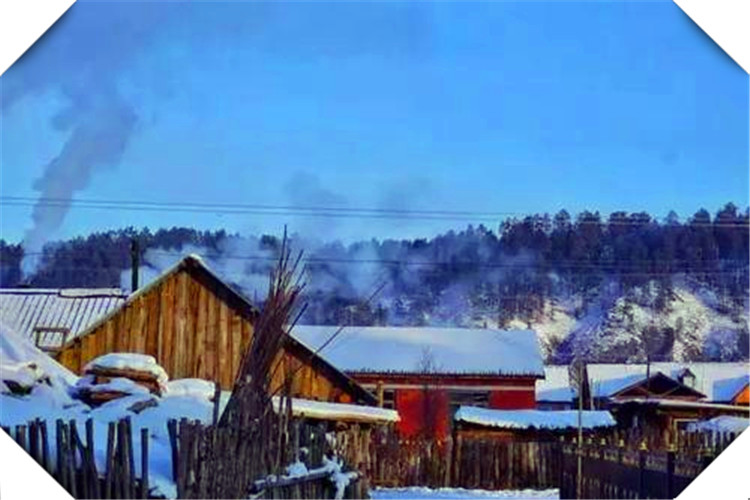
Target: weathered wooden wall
[
  {"x": 180, "y": 321},
  {"x": 194, "y": 329}
]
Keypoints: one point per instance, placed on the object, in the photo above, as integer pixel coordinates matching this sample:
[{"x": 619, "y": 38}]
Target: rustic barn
[
  {"x": 427, "y": 373},
  {"x": 197, "y": 326},
  {"x": 53, "y": 317}
]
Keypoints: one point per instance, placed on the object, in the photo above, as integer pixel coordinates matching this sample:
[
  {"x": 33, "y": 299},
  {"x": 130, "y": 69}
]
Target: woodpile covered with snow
[{"x": 117, "y": 375}]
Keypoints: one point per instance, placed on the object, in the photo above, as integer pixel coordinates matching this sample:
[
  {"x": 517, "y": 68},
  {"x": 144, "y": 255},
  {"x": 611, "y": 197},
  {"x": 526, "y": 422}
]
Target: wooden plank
[
  {"x": 179, "y": 343},
  {"x": 141, "y": 331},
  {"x": 123, "y": 335},
  {"x": 168, "y": 313},
  {"x": 152, "y": 326},
  {"x": 224, "y": 368},
  {"x": 191, "y": 311},
  {"x": 211, "y": 337},
  {"x": 163, "y": 308},
  {"x": 87, "y": 349},
  {"x": 236, "y": 341},
  {"x": 109, "y": 328},
  {"x": 200, "y": 333}
]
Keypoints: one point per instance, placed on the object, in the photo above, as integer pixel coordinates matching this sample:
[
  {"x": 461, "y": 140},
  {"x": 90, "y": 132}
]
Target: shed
[
  {"x": 197, "y": 326},
  {"x": 427, "y": 373}
]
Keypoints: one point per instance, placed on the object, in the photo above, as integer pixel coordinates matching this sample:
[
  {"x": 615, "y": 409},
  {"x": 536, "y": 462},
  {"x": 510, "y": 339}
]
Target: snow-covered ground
[
  {"x": 50, "y": 388},
  {"x": 419, "y": 492}
]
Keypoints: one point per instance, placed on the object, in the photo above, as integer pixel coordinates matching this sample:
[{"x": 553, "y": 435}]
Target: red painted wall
[
  {"x": 422, "y": 412},
  {"x": 418, "y": 414},
  {"x": 513, "y": 400}
]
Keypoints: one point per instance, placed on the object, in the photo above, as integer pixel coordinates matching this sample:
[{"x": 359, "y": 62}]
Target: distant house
[
  {"x": 197, "y": 326},
  {"x": 673, "y": 396},
  {"x": 719, "y": 383},
  {"x": 426, "y": 374},
  {"x": 51, "y": 317}
]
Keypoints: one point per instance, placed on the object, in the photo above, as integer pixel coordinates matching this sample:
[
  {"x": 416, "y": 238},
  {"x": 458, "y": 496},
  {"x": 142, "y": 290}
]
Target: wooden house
[
  {"x": 197, "y": 326},
  {"x": 426, "y": 374},
  {"x": 667, "y": 416},
  {"x": 718, "y": 383}
]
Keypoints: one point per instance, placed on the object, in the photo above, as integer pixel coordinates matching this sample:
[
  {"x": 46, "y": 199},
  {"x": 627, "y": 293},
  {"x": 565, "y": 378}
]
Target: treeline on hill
[{"x": 457, "y": 276}]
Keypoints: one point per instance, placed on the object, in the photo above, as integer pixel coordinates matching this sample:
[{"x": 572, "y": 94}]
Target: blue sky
[{"x": 489, "y": 106}]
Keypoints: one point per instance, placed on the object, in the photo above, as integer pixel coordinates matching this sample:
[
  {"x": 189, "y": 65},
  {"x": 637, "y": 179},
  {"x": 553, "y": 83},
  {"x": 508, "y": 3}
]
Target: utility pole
[
  {"x": 135, "y": 257},
  {"x": 579, "y": 475}
]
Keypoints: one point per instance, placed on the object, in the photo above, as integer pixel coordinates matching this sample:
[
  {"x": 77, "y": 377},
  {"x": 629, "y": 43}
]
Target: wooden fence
[
  {"x": 613, "y": 462},
  {"x": 625, "y": 471},
  {"x": 484, "y": 463},
  {"x": 218, "y": 462},
  {"x": 204, "y": 461},
  {"x": 69, "y": 457}
]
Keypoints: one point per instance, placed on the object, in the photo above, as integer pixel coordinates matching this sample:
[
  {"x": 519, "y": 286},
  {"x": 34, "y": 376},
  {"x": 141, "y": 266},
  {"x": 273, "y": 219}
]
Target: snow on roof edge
[{"x": 533, "y": 419}]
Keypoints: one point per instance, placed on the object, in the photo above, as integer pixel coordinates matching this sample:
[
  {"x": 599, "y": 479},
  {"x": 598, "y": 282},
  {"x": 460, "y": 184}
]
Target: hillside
[{"x": 615, "y": 289}]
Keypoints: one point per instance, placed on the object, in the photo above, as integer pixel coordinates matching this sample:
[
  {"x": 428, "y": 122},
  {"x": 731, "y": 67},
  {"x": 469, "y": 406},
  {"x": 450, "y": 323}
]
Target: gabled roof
[
  {"x": 718, "y": 381},
  {"x": 658, "y": 385},
  {"x": 75, "y": 309},
  {"x": 198, "y": 269},
  {"x": 452, "y": 350}
]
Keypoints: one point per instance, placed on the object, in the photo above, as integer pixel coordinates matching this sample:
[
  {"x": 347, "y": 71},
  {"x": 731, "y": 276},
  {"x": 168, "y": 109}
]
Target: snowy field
[{"x": 418, "y": 492}]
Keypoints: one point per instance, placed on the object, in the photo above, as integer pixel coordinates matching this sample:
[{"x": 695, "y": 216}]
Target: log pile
[{"x": 105, "y": 381}]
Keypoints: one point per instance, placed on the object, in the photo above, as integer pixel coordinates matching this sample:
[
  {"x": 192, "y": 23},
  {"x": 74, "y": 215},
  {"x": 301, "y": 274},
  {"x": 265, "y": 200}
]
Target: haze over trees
[{"x": 576, "y": 279}]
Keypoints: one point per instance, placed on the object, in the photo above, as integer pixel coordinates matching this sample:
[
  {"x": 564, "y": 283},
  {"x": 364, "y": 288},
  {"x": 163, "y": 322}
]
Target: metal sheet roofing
[{"x": 25, "y": 309}]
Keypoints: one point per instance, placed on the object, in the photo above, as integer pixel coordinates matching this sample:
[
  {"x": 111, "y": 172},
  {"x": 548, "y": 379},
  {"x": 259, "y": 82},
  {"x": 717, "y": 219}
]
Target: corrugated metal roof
[{"x": 25, "y": 309}]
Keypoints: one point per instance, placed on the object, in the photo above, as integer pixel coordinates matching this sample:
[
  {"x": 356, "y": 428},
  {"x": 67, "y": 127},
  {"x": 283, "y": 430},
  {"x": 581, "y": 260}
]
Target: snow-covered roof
[
  {"x": 536, "y": 419},
  {"x": 15, "y": 350},
  {"x": 24, "y": 309},
  {"x": 678, "y": 403},
  {"x": 720, "y": 382},
  {"x": 452, "y": 350},
  {"x": 339, "y": 411},
  {"x": 724, "y": 423}
]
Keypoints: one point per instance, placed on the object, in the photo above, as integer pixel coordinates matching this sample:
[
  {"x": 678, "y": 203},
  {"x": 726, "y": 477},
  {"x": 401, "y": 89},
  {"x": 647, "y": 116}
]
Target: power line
[{"x": 315, "y": 211}]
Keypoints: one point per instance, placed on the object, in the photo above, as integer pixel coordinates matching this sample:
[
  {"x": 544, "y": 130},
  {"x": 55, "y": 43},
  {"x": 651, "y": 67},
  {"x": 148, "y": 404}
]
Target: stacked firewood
[{"x": 117, "y": 375}]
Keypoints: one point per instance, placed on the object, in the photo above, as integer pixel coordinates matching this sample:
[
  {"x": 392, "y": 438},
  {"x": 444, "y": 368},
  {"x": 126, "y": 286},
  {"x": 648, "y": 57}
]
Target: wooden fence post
[
  {"x": 45, "y": 447},
  {"x": 144, "y": 463},
  {"x": 670, "y": 474},
  {"x": 109, "y": 473},
  {"x": 217, "y": 400},
  {"x": 641, "y": 475}
]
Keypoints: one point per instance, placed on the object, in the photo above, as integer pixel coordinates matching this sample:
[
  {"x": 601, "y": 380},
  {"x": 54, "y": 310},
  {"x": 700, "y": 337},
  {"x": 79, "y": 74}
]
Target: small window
[
  {"x": 681, "y": 424},
  {"x": 389, "y": 399},
  {"x": 468, "y": 398}
]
